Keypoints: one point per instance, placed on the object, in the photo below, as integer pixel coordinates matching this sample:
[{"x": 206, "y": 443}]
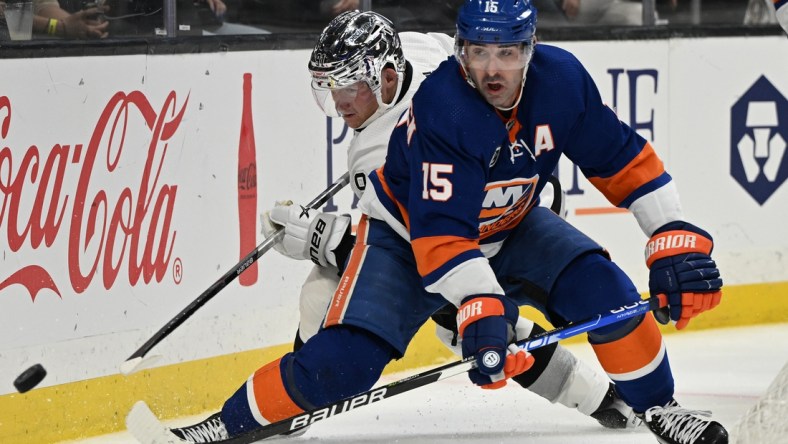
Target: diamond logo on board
[{"x": 759, "y": 131}]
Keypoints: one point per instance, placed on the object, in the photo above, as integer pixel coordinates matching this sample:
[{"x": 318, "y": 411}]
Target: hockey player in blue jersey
[
  {"x": 452, "y": 216},
  {"x": 460, "y": 180}
]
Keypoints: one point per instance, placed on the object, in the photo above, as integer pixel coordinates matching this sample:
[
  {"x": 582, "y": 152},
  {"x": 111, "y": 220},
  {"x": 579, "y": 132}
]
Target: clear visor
[
  {"x": 502, "y": 57},
  {"x": 335, "y": 102}
]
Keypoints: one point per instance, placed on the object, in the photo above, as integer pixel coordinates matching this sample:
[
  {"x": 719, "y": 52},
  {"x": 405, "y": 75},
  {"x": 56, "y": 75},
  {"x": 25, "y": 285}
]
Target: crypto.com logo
[{"x": 759, "y": 129}]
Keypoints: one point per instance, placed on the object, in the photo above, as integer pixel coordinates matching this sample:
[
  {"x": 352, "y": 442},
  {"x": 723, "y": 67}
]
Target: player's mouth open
[{"x": 494, "y": 87}]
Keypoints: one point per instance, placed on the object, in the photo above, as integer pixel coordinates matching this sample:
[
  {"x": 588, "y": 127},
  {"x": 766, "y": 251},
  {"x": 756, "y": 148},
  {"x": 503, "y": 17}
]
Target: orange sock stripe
[
  {"x": 476, "y": 309},
  {"x": 270, "y": 395},
  {"x": 633, "y": 352},
  {"x": 336, "y": 310}
]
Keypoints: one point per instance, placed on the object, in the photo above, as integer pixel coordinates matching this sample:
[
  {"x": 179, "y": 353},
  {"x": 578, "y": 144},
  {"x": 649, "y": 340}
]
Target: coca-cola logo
[
  {"x": 129, "y": 228},
  {"x": 247, "y": 177}
]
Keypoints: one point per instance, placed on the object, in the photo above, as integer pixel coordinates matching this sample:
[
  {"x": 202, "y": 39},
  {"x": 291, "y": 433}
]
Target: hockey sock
[
  {"x": 338, "y": 362},
  {"x": 631, "y": 352},
  {"x": 638, "y": 363},
  {"x": 262, "y": 400}
]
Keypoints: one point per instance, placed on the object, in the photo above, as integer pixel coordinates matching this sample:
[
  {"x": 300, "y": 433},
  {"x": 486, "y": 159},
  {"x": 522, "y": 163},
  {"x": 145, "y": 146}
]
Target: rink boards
[{"x": 121, "y": 181}]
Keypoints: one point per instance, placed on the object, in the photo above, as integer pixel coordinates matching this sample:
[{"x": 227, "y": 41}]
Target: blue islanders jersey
[{"x": 459, "y": 175}]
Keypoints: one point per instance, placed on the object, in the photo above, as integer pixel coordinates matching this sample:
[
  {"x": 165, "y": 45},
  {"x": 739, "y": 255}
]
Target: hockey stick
[
  {"x": 138, "y": 359},
  {"x": 144, "y": 425}
]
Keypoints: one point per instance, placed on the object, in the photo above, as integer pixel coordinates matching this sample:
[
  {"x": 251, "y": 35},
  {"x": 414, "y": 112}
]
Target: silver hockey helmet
[{"x": 354, "y": 47}]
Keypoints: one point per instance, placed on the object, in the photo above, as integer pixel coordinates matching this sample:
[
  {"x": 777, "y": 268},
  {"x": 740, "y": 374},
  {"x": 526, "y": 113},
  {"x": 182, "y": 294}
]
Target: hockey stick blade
[
  {"x": 133, "y": 363},
  {"x": 145, "y": 427},
  {"x": 403, "y": 385}
]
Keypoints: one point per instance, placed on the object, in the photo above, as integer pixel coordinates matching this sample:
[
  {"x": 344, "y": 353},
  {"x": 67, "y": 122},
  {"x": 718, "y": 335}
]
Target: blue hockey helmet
[
  {"x": 496, "y": 21},
  {"x": 501, "y": 23}
]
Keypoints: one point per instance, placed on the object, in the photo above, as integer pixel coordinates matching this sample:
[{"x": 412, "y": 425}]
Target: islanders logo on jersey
[{"x": 505, "y": 204}]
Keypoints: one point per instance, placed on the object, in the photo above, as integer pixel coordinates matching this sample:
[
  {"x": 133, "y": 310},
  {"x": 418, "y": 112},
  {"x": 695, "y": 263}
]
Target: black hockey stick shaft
[
  {"x": 437, "y": 374},
  {"x": 233, "y": 273}
]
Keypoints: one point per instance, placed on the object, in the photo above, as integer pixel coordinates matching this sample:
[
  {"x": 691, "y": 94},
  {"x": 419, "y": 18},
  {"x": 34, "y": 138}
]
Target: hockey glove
[
  {"x": 682, "y": 272},
  {"x": 309, "y": 234},
  {"x": 486, "y": 327}
]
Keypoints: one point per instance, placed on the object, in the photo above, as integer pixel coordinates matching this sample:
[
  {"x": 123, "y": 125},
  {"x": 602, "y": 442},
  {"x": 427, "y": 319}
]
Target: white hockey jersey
[{"x": 367, "y": 150}]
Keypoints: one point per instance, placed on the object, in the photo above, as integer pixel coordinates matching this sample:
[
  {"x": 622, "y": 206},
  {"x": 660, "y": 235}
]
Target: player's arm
[
  {"x": 444, "y": 201},
  {"x": 627, "y": 170}
]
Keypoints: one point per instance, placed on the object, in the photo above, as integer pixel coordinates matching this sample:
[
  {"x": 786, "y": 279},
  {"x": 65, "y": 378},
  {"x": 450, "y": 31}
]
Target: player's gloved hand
[
  {"x": 682, "y": 272},
  {"x": 486, "y": 326},
  {"x": 309, "y": 234},
  {"x": 269, "y": 227}
]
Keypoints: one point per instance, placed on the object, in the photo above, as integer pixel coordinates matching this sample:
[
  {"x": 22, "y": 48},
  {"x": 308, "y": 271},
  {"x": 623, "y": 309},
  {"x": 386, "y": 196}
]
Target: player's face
[
  {"x": 355, "y": 103},
  {"x": 497, "y": 71}
]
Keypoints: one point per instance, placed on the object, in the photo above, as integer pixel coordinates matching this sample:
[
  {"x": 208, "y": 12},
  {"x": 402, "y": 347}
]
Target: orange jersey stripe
[
  {"x": 432, "y": 252},
  {"x": 402, "y": 210},
  {"x": 634, "y": 351},
  {"x": 644, "y": 168},
  {"x": 336, "y": 310},
  {"x": 599, "y": 210},
  {"x": 270, "y": 395}
]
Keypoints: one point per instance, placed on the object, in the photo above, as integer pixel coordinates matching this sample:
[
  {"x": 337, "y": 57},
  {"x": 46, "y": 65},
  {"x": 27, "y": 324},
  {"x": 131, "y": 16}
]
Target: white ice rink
[{"x": 725, "y": 371}]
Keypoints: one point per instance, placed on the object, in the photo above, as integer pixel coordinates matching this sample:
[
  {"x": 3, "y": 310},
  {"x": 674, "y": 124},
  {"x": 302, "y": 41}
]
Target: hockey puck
[{"x": 30, "y": 378}]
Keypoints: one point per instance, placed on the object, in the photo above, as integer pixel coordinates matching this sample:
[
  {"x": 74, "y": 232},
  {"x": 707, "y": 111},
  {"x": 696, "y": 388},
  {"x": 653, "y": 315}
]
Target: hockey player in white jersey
[{"x": 380, "y": 71}]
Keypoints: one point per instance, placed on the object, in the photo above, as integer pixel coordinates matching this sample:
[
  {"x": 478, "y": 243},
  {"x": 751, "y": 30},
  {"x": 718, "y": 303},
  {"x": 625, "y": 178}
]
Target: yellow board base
[{"x": 99, "y": 406}]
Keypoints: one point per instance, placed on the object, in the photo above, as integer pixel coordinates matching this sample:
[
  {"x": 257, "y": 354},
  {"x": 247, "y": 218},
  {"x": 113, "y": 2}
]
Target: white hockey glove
[
  {"x": 309, "y": 234},
  {"x": 269, "y": 227}
]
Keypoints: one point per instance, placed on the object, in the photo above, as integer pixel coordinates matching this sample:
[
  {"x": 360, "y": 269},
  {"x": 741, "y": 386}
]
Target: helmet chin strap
[{"x": 383, "y": 106}]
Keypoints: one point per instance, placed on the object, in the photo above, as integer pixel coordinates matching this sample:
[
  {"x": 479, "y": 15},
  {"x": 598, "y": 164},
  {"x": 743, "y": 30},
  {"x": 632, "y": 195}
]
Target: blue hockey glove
[
  {"x": 682, "y": 272},
  {"x": 486, "y": 326}
]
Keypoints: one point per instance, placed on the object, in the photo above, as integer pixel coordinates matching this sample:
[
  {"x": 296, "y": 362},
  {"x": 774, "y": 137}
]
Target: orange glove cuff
[
  {"x": 477, "y": 308},
  {"x": 672, "y": 243}
]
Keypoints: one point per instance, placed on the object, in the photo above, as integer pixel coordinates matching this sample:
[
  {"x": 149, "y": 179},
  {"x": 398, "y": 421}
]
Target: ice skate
[
  {"x": 614, "y": 413},
  {"x": 676, "y": 425},
  {"x": 210, "y": 430},
  {"x": 213, "y": 430}
]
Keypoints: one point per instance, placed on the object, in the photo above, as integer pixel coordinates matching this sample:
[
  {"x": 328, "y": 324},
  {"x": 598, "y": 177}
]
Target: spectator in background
[
  {"x": 603, "y": 12},
  {"x": 417, "y": 14},
  {"x": 764, "y": 12},
  {"x": 781, "y": 6},
  {"x": 194, "y": 17},
  {"x": 50, "y": 20},
  {"x": 404, "y": 14}
]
